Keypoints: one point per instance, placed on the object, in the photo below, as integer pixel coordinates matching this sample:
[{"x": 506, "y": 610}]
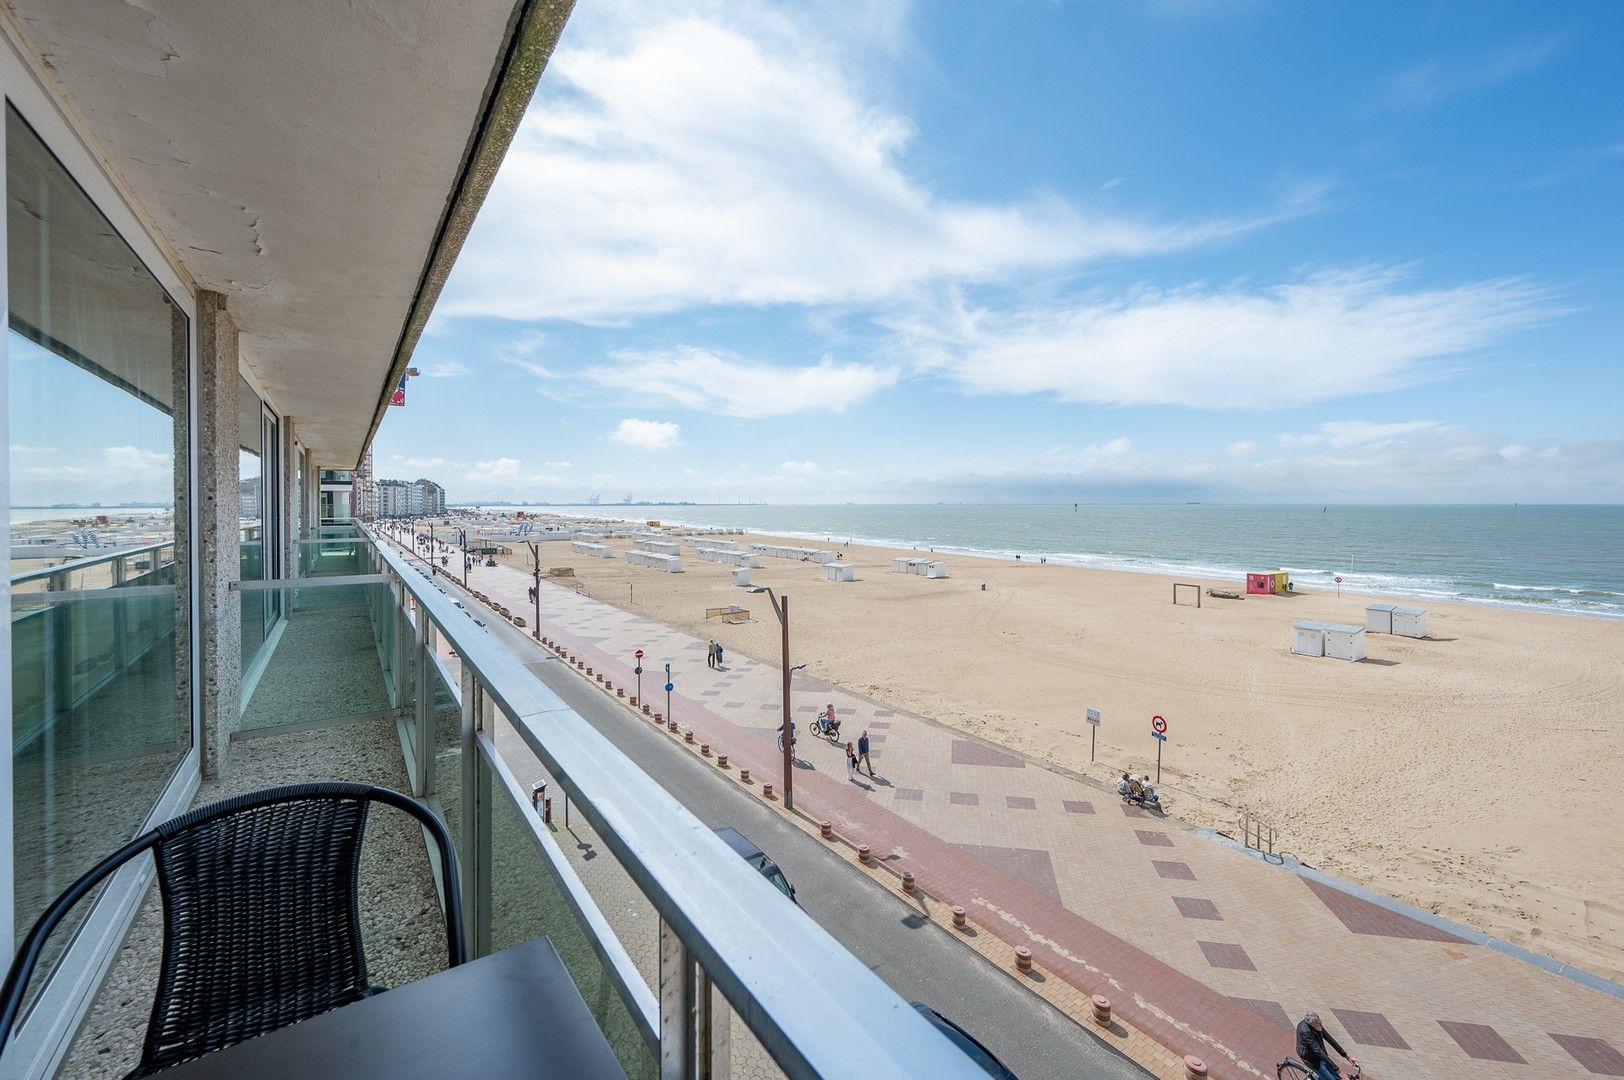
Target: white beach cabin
[
  {"x": 1379, "y": 618},
  {"x": 1345, "y": 642},
  {"x": 1308, "y": 639},
  {"x": 839, "y": 571},
  {"x": 1410, "y": 622}
]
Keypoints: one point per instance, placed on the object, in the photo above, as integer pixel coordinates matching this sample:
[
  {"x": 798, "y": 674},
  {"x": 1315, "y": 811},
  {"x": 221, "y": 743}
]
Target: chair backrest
[{"x": 261, "y": 918}]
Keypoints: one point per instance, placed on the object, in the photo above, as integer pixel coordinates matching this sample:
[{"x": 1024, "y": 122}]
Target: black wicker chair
[{"x": 262, "y": 925}]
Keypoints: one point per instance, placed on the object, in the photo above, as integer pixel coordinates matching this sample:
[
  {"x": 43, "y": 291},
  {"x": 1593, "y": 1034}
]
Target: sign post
[
  {"x": 1093, "y": 716},
  {"x": 1339, "y": 584},
  {"x": 638, "y": 671},
  {"x": 1158, "y": 731},
  {"x": 670, "y": 686}
]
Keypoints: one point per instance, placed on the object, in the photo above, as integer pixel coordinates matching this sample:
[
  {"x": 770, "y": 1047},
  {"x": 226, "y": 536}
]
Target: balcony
[{"x": 690, "y": 963}]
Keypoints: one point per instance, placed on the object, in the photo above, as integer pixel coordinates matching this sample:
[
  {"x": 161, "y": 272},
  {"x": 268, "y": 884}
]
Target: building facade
[{"x": 408, "y": 498}]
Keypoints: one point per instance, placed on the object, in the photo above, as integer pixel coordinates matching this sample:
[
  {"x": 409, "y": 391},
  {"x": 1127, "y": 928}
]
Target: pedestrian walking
[
  {"x": 851, "y": 762},
  {"x": 862, "y": 753},
  {"x": 718, "y": 654},
  {"x": 710, "y": 654}
]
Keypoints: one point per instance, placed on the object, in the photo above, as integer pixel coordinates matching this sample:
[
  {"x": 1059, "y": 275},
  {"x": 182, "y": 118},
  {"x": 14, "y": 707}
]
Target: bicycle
[
  {"x": 831, "y": 731},
  {"x": 792, "y": 737},
  {"x": 1292, "y": 1069}
]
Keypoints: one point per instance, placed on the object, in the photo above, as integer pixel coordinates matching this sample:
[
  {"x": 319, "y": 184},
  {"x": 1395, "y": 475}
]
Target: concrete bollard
[
  {"x": 645, "y": 709},
  {"x": 907, "y": 881},
  {"x": 766, "y": 791},
  {"x": 721, "y": 761},
  {"x": 862, "y": 854},
  {"x": 658, "y": 718},
  {"x": 589, "y": 671},
  {"x": 620, "y": 692},
  {"x": 704, "y": 749},
  {"x": 1102, "y": 1010},
  {"x": 688, "y": 736},
  {"x": 744, "y": 776},
  {"x": 1194, "y": 1068},
  {"x": 826, "y": 829},
  {"x": 959, "y": 922},
  {"x": 671, "y": 726},
  {"x": 1023, "y": 958}
]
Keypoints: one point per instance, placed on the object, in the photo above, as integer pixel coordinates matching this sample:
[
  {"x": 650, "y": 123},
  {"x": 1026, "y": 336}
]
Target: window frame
[{"x": 42, "y": 1040}]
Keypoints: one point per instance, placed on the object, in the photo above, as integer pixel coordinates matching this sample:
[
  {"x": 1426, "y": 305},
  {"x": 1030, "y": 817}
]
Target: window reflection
[{"x": 97, "y": 371}]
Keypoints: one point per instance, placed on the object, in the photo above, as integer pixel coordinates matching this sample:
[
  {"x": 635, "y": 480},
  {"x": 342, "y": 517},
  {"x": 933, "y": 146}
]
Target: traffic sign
[
  {"x": 1093, "y": 716},
  {"x": 638, "y": 654},
  {"x": 1158, "y": 727},
  {"x": 638, "y": 670},
  {"x": 1159, "y": 736},
  {"x": 670, "y": 687}
]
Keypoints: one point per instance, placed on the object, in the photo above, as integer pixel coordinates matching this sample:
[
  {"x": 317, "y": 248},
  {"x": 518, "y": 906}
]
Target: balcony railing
[{"x": 731, "y": 951}]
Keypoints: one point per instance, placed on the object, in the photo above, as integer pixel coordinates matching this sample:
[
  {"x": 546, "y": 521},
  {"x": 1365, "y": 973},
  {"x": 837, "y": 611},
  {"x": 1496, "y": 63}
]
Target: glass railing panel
[
  {"x": 527, "y": 903},
  {"x": 100, "y": 721},
  {"x": 322, "y": 662},
  {"x": 332, "y": 556}
]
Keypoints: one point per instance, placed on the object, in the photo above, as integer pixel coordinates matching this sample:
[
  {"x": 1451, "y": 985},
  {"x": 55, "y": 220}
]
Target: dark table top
[{"x": 513, "y": 1013}]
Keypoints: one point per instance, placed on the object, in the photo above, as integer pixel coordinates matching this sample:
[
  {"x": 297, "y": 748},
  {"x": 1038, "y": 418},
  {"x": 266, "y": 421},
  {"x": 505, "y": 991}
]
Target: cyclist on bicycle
[{"x": 1311, "y": 1040}]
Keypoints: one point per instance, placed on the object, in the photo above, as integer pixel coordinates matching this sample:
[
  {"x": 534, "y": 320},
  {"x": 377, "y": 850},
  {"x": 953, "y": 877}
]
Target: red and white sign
[
  {"x": 1158, "y": 725},
  {"x": 1339, "y": 579},
  {"x": 639, "y": 654}
]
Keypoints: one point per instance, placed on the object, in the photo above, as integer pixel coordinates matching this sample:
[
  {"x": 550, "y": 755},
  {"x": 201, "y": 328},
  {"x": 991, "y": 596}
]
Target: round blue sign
[{"x": 670, "y": 687}]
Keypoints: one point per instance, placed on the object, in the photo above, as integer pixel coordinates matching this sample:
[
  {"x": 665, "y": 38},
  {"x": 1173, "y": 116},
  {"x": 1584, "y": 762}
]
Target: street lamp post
[
  {"x": 464, "y": 533},
  {"x": 535, "y": 591},
  {"x": 433, "y": 566},
  {"x": 781, "y": 609}
]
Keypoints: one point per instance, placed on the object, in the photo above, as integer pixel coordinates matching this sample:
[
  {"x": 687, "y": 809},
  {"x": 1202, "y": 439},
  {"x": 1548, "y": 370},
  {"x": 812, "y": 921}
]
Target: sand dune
[{"x": 1475, "y": 774}]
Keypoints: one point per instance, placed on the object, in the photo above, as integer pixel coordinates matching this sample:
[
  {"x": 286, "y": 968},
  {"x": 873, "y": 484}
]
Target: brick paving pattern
[{"x": 1084, "y": 891}]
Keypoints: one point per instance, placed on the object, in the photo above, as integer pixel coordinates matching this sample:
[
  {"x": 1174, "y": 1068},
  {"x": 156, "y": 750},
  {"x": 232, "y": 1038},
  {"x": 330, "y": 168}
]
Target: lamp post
[
  {"x": 464, "y": 533},
  {"x": 535, "y": 592},
  {"x": 781, "y": 609},
  {"x": 433, "y": 566}
]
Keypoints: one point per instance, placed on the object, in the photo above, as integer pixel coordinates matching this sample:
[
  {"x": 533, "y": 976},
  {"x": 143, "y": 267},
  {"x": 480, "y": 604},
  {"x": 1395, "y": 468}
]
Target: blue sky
[{"x": 1165, "y": 249}]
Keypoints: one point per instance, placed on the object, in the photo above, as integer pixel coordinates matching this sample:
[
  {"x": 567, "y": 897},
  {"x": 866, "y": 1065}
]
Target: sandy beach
[{"x": 1474, "y": 774}]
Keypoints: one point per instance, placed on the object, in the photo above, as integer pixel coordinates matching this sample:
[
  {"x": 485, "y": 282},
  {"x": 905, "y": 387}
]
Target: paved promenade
[{"x": 1209, "y": 950}]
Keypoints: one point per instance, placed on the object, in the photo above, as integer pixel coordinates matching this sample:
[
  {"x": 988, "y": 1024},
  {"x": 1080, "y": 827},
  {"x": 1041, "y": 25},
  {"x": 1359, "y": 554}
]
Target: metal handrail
[{"x": 816, "y": 1008}]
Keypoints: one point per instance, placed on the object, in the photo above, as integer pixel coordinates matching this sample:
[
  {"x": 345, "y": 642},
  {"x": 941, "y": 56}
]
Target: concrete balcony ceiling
[{"x": 319, "y": 163}]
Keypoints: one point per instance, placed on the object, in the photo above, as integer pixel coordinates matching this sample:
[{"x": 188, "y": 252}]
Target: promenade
[{"x": 1207, "y": 949}]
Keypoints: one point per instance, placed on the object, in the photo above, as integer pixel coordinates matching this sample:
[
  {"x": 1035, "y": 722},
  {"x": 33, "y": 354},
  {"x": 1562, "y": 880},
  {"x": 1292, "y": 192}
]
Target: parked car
[
  {"x": 758, "y": 859},
  {"x": 966, "y": 1042}
]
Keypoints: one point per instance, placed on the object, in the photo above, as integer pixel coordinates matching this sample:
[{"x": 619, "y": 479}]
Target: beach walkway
[{"x": 1207, "y": 949}]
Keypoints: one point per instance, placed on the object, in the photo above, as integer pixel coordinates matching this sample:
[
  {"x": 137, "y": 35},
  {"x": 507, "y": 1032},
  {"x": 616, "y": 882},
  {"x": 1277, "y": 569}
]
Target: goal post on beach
[{"x": 1194, "y": 590}]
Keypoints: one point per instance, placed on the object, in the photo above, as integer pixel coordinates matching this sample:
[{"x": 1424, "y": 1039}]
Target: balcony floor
[{"x": 400, "y": 911}]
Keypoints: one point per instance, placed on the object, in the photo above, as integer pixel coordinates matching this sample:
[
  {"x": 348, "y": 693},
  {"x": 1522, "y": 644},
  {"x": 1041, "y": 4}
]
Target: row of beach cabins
[{"x": 664, "y": 551}]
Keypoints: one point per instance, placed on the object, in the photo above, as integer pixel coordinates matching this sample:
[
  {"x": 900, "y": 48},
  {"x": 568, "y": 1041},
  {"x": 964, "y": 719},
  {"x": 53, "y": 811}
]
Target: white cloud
[
  {"x": 502, "y": 468},
  {"x": 423, "y": 463},
  {"x": 1241, "y": 448},
  {"x": 134, "y": 462},
  {"x": 799, "y": 468},
  {"x": 1235, "y": 347},
  {"x": 675, "y": 160},
  {"x": 733, "y": 386},
  {"x": 1433, "y": 81},
  {"x": 647, "y": 434},
  {"x": 1355, "y": 460},
  {"x": 1338, "y": 434},
  {"x": 560, "y": 464},
  {"x": 445, "y": 369}
]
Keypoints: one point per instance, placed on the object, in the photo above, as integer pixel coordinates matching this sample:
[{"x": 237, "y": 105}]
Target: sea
[{"x": 1567, "y": 559}]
